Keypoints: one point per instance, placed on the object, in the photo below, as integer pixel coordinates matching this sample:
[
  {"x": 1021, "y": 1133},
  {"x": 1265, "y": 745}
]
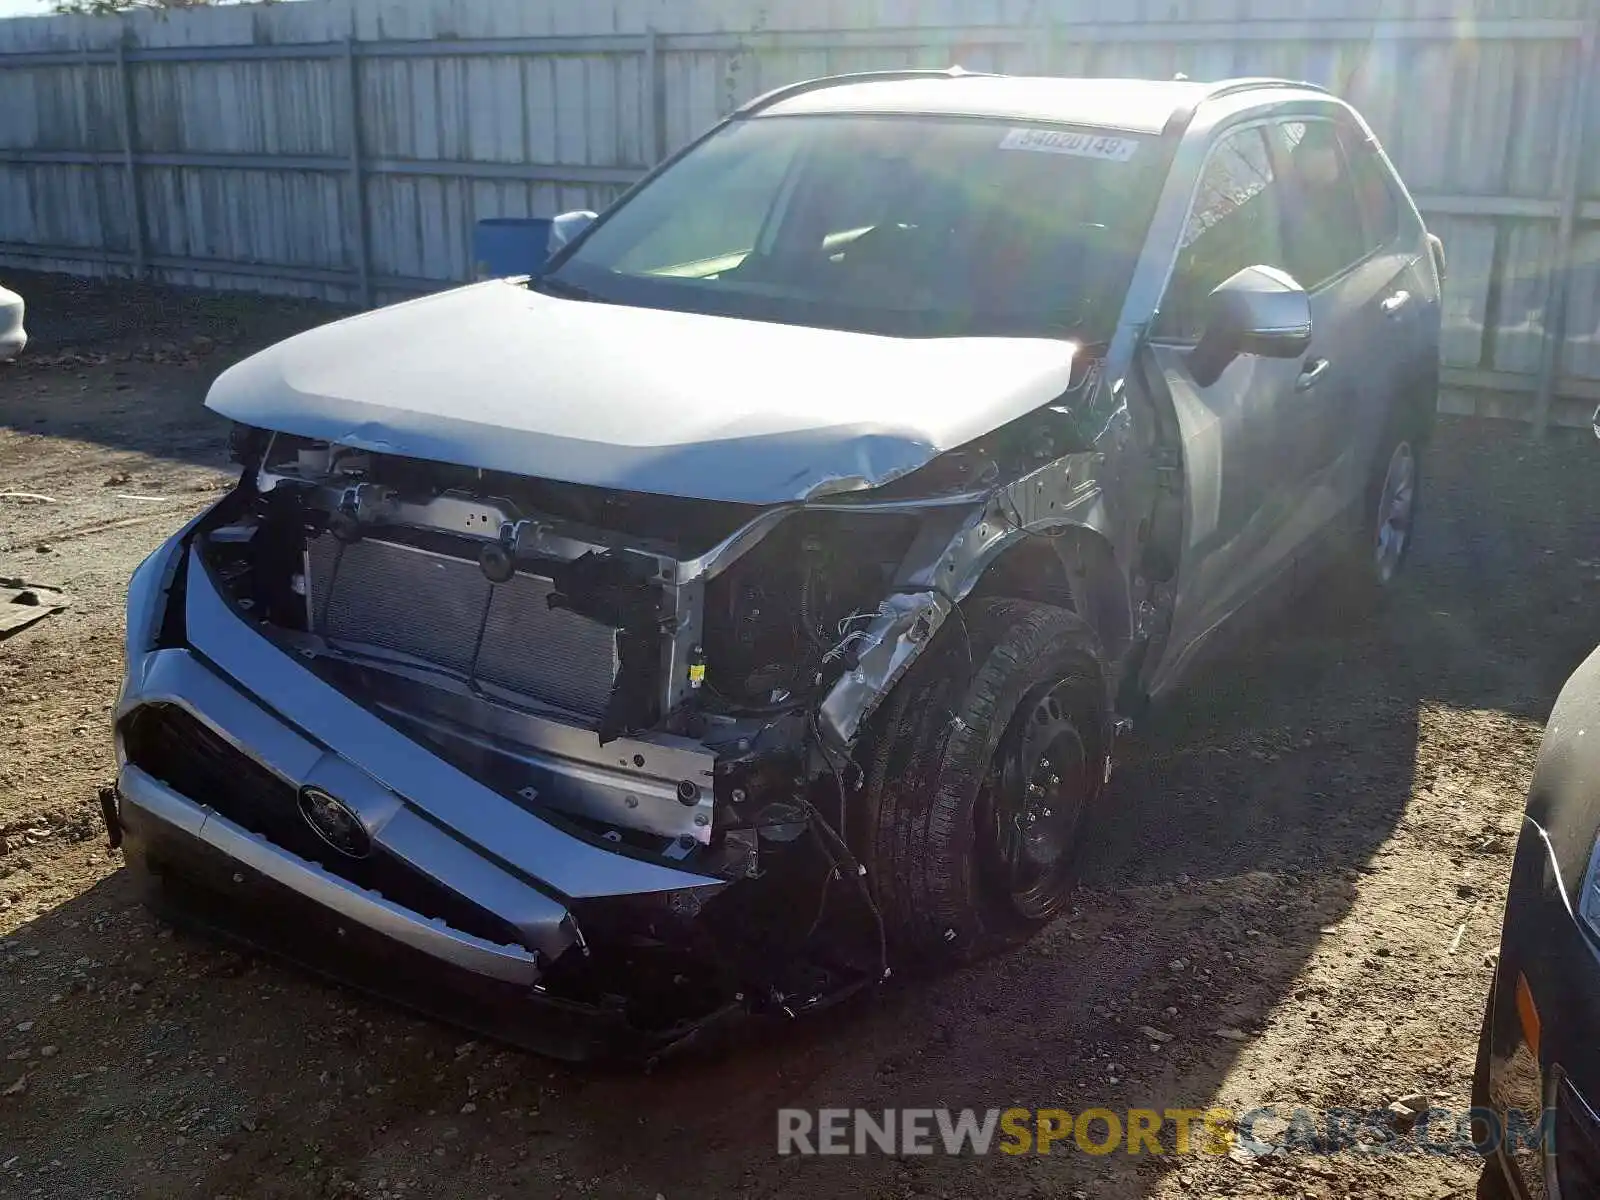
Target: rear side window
[
  {"x": 1236, "y": 222},
  {"x": 1380, "y": 208},
  {"x": 1325, "y": 230}
]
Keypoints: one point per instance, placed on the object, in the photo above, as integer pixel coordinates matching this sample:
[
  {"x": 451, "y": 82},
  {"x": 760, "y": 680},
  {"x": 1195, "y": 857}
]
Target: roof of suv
[{"x": 1136, "y": 105}]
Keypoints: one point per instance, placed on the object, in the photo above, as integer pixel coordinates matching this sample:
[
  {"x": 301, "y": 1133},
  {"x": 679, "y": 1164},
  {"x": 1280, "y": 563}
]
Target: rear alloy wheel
[
  {"x": 987, "y": 757},
  {"x": 1380, "y": 545},
  {"x": 1396, "y": 502}
]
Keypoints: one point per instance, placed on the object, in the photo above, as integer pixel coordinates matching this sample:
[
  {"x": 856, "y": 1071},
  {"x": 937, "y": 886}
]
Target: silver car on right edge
[{"x": 748, "y": 603}]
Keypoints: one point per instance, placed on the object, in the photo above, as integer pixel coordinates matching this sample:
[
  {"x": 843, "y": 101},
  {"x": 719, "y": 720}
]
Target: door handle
[
  {"x": 1394, "y": 305},
  {"x": 1312, "y": 375}
]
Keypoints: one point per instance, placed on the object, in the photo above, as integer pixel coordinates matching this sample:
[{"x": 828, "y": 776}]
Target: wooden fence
[{"x": 345, "y": 148}]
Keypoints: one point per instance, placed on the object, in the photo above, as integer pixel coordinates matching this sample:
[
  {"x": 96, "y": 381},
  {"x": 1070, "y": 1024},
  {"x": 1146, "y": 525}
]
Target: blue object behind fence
[{"x": 509, "y": 246}]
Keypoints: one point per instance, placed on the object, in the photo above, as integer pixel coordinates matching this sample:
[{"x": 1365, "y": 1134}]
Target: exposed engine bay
[
  {"x": 678, "y": 681},
  {"x": 627, "y": 665},
  {"x": 580, "y": 610}
]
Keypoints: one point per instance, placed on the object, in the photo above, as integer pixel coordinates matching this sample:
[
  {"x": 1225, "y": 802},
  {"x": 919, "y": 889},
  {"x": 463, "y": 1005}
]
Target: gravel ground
[{"x": 1298, "y": 877}]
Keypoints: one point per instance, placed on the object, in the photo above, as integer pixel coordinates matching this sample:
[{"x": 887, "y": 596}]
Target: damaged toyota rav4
[{"x": 747, "y": 604}]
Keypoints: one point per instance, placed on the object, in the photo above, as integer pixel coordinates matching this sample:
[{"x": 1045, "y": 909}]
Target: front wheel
[{"x": 989, "y": 754}]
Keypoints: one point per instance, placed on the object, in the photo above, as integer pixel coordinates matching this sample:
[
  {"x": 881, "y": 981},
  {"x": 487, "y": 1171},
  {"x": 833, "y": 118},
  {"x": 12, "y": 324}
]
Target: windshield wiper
[{"x": 561, "y": 287}]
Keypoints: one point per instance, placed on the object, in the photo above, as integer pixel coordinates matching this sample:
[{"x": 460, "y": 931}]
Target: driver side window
[{"x": 1236, "y": 221}]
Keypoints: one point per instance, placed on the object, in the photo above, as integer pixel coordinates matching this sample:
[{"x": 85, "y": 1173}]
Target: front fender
[{"x": 948, "y": 562}]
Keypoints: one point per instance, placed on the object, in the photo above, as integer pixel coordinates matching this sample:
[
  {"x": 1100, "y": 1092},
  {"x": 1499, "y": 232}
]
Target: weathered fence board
[{"x": 345, "y": 148}]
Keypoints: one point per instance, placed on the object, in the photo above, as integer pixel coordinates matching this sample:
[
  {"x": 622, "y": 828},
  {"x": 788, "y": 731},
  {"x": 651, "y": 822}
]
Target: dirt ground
[{"x": 1319, "y": 828}]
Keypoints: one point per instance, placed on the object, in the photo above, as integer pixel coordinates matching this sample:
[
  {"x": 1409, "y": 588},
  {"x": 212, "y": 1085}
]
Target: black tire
[
  {"x": 1365, "y": 580},
  {"x": 1480, "y": 1065},
  {"x": 1492, "y": 1183},
  {"x": 957, "y": 867}
]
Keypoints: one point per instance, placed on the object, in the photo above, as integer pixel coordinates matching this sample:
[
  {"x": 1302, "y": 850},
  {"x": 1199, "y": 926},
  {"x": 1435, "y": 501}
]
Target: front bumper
[
  {"x": 465, "y": 906},
  {"x": 1542, "y": 1059},
  {"x": 200, "y": 884}
]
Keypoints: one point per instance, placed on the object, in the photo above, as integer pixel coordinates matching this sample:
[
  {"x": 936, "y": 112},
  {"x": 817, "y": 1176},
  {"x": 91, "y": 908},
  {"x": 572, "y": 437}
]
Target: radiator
[{"x": 442, "y": 610}]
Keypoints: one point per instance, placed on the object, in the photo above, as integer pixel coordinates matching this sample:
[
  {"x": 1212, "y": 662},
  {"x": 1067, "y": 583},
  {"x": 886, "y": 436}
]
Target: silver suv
[{"x": 749, "y": 602}]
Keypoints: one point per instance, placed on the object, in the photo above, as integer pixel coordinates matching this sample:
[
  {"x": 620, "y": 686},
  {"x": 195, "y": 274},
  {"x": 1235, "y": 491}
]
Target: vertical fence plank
[
  {"x": 360, "y": 236},
  {"x": 128, "y": 121},
  {"x": 654, "y": 84},
  {"x": 1559, "y": 282}
]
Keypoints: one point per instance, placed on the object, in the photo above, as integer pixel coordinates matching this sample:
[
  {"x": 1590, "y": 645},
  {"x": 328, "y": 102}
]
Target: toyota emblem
[{"x": 335, "y": 823}]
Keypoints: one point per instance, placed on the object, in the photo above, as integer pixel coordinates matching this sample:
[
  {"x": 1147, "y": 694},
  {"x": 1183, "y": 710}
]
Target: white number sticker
[{"x": 1079, "y": 145}]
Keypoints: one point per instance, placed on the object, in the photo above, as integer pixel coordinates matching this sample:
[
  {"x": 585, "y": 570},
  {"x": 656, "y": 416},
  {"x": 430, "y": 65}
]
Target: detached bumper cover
[
  {"x": 206, "y": 888},
  {"x": 152, "y": 811},
  {"x": 463, "y": 901}
]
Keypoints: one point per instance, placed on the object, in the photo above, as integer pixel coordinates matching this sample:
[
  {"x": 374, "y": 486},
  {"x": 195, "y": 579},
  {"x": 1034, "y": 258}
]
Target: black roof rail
[
  {"x": 1179, "y": 122},
  {"x": 1217, "y": 91},
  {"x": 813, "y": 85},
  {"x": 1229, "y": 87}
]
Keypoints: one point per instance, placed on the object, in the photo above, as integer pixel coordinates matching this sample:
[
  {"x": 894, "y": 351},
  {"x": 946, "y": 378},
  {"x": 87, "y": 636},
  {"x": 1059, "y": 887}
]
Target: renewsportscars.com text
[{"x": 1100, "y": 1131}]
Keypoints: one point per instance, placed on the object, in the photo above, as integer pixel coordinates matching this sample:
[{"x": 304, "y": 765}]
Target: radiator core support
[
  {"x": 497, "y": 681},
  {"x": 398, "y": 598}
]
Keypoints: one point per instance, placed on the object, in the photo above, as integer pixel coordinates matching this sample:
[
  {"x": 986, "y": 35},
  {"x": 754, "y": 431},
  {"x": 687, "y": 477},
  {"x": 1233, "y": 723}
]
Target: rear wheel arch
[{"x": 1423, "y": 400}]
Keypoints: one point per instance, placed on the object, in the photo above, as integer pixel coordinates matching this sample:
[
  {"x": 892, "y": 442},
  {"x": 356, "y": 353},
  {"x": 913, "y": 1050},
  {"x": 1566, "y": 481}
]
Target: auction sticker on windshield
[{"x": 1079, "y": 145}]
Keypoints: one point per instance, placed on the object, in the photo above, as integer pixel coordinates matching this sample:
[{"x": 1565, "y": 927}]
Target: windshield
[{"x": 907, "y": 226}]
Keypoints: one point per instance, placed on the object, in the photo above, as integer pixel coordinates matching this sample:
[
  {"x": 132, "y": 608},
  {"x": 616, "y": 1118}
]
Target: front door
[{"x": 1242, "y": 485}]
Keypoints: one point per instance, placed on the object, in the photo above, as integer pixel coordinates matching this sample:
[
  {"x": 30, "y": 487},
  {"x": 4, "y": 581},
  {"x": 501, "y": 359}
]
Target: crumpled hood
[{"x": 504, "y": 378}]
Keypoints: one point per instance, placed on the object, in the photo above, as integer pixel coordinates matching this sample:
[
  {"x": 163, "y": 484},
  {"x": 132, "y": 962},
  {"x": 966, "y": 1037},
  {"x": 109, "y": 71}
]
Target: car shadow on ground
[{"x": 1239, "y": 828}]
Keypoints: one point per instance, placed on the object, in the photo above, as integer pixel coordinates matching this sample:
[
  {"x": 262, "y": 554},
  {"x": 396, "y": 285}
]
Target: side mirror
[
  {"x": 568, "y": 226},
  {"x": 1260, "y": 311}
]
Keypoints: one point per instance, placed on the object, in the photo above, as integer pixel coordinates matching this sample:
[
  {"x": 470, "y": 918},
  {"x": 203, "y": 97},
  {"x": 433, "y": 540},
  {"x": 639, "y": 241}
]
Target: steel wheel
[
  {"x": 1395, "y": 503},
  {"x": 958, "y": 868},
  {"x": 1034, "y": 797}
]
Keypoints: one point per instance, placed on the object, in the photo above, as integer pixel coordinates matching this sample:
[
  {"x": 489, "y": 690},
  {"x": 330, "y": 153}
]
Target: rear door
[
  {"x": 1346, "y": 247},
  {"x": 1407, "y": 278},
  {"x": 1240, "y": 491}
]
